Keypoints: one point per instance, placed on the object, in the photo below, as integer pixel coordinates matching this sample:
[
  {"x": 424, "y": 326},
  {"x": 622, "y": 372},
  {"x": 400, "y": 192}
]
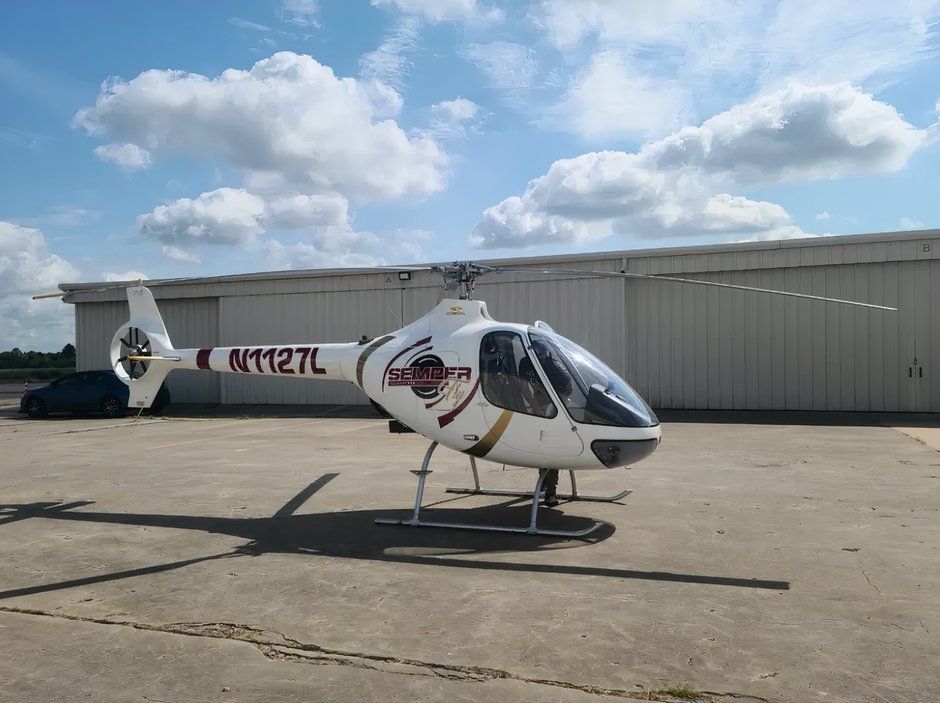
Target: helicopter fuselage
[{"x": 509, "y": 393}]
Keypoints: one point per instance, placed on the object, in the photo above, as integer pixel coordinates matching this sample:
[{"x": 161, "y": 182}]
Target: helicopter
[{"x": 521, "y": 395}]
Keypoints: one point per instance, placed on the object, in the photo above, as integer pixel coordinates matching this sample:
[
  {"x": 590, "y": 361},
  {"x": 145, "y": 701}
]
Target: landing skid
[
  {"x": 478, "y": 490},
  {"x": 532, "y": 529}
]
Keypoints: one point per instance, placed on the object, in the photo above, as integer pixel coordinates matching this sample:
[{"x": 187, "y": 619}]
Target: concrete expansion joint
[{"x": 276, "y": 646}]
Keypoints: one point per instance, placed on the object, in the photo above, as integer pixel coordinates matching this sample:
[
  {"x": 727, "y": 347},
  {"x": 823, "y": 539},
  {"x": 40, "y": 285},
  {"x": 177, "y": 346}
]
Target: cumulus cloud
[
  {"x": 307, "y": 211},
  {"x": 823, "y": 216},
  {"x": 127, "y": 156},
  {"x": 444, "y": 10},
  {"x": 236, "y": 217},
  {"x": 27, "y": 267},
  {"x": 287, "y": 122},
  {"x": 453, "y": 119},
  {"x": 677, "y": 185},
  {"x": 26, "y": 264},
  {"x": 223, "y": 216}
]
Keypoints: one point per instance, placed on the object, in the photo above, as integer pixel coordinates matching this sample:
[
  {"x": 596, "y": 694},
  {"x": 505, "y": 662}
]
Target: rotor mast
[{"x": 460, "y": 278}]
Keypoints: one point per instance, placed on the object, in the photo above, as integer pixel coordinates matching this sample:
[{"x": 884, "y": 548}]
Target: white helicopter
[{"x": 516, "y": 394}]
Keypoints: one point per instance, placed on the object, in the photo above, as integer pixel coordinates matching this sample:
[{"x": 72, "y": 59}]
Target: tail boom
[{"x": 324, "y": 361}]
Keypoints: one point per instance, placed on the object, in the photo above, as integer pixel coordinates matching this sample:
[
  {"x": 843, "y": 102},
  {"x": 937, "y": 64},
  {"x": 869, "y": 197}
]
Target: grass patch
[{"x": 33, "y": 374}]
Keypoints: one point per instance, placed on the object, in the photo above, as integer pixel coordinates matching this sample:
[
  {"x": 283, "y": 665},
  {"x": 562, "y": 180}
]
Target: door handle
[
  {"x": 920, "y": 371},
  {"x": 910, "y": 371}
]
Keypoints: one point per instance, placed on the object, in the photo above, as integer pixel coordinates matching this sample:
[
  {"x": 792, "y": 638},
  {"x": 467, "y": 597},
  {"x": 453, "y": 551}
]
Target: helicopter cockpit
[{"x": 590, "y": 391}]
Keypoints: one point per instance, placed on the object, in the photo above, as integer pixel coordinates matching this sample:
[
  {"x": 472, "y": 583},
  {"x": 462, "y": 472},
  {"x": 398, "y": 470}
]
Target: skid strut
[
  {"x": 532, "y": 529},
  {"x": 478, "y": 490}
]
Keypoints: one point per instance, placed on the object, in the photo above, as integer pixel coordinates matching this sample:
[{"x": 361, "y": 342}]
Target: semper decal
[
  {"x": 276, "y": 360},
  {"x": 447, "y": 388}
]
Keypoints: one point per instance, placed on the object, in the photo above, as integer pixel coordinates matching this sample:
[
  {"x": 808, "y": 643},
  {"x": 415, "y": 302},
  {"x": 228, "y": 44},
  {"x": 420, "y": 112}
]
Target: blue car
[{"x": 84, "y": 392}]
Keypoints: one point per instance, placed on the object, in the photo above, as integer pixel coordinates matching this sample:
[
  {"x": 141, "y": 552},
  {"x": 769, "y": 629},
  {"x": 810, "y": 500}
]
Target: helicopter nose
[
  {"x": 623, "y": 452},
  {"x": 626, "y": 446}
]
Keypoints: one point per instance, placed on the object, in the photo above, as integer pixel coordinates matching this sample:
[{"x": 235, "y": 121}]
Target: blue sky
[{"x": 183, "y": 139}]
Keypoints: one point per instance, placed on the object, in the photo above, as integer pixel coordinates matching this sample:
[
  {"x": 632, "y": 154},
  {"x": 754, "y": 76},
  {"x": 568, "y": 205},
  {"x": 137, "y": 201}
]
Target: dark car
[{"x": 84, "y": 392}]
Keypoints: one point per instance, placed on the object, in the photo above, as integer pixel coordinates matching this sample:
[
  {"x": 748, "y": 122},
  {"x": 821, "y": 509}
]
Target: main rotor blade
[{"x": 692, "y": 281}]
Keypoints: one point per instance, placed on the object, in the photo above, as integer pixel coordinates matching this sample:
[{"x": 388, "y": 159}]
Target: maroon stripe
[
  {"x": 400, "y": 354},
  {"x": 448, "y": 418},
  {"x": 202, "y": 359}
]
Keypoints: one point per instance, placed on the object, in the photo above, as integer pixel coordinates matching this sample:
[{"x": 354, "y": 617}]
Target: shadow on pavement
[{"x": 352, "y": 535}]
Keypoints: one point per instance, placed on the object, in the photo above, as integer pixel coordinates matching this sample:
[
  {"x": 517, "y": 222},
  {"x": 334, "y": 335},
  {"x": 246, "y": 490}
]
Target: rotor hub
[{"x": 460, "y": 278}]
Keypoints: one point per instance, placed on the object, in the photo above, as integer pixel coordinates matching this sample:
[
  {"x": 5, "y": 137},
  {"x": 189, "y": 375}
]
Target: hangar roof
[{"x": 779, "y": 253}]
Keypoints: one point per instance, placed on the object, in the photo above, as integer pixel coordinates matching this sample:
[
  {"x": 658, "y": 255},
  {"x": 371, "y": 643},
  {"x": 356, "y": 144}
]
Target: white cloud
[
  {"x": 248, "y": 24},
  {"x": 908, "y": 223},
  {"x": 453, "y": 119},
  {"x": 177, "y": 254},
  {"x": 709, "y": 54},
  {"x": 611, "y": 99},
  {"x": 435, "y": 11},
  {"x": 27, "y": 267},
  {"x": 287, "y": 122},
  {"x": 26, "y": 264},
  {"x": 511, "y": 68},
  {"x": 303, "y": 211},
  {"x": 223, "y": 216},
  {"x": 407, "y": 245},
  {"x": 337, "y": 247},
  {"x": 567, "y": 22},
  {"x": 127, "y": 156},
  {"x": 130, "y": 275},
  {"x": 303, "y": 13},
  {"x": 823, "y": 216},
  {"x": 326, "y": 251},
  {"x": 236, "y": 217},
  {"x": 677, "y": 185},
  {"x": 846, "y": 40},
  {"x": 390, "y": 62}
]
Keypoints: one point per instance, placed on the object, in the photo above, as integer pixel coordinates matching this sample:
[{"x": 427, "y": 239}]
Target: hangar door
[{"x": 920, "y": 321}]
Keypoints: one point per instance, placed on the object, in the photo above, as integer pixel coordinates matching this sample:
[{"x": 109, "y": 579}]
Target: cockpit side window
[{"x": 509, "y": 378}]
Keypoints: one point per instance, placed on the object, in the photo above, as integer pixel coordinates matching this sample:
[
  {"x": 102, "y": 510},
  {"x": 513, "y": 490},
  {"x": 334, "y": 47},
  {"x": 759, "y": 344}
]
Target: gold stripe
[
  {"x": 483, "y": 447},
  {"x": 367, "y": 352}
]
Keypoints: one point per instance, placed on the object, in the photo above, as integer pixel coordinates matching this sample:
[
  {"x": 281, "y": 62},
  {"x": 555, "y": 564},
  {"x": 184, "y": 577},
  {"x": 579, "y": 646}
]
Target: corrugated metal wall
[
  {"x": 190, "y": 322},
  {"x": 681, "y": 346}
]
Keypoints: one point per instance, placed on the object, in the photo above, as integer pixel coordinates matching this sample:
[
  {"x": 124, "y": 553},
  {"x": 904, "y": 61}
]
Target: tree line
[{"x": 18, "y": 359}]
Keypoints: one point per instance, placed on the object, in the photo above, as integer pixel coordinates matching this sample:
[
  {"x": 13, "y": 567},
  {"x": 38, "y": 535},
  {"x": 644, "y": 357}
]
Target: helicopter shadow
[{"x": 351, "y": 534}]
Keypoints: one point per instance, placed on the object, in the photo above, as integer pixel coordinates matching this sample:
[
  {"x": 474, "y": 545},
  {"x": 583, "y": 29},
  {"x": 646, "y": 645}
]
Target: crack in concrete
[{"x": 279, "y": 647}]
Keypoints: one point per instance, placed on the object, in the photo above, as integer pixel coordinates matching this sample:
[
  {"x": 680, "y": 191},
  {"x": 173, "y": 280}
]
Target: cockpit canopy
[{"x": 589, "y": 390}]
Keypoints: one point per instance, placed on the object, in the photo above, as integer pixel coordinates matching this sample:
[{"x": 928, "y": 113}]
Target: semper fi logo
[{"x": 430, "y": 379}]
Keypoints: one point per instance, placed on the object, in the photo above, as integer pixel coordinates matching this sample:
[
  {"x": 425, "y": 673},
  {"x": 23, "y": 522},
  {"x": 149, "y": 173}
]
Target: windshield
[{"x": 589, "y": 389}]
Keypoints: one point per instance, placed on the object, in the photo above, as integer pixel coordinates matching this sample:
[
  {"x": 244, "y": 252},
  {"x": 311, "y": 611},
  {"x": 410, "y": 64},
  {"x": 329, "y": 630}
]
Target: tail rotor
[{"x": 142, "y": 338}]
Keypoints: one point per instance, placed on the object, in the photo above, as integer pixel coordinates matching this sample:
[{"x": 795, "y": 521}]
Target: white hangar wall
[{"x": 681, "y": 346}]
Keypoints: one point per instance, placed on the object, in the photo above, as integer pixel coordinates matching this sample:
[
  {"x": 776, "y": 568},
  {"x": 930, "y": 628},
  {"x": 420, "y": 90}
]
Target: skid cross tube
[
  {"x": 478, "y": 490},
  {"x": 532, "y": 529}
]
